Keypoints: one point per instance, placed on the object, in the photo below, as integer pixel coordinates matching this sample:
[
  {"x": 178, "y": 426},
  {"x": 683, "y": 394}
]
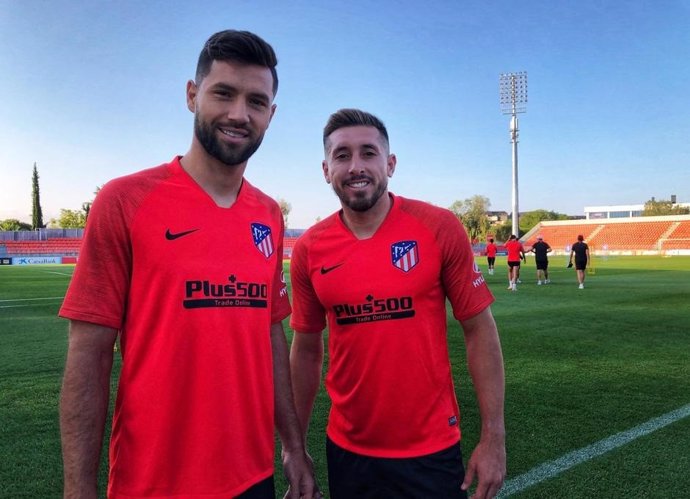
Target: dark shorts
[
  {"x": 491, "y": 260},
  {"x": 262, "y": 490},
  {"x": 354, "y": 476},
  {"x": 514, "y": 264},
  {"x": 542, "y": 264},
  {"x": 580, "y": 264}
]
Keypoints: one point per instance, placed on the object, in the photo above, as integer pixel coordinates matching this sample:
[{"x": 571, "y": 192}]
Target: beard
[
  {"x": 359, "y": 201},
  {"x": 228, "y": 154}
]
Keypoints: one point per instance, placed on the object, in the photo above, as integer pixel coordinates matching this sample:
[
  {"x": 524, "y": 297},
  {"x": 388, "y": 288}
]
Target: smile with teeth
[
  {"x": 358, "y": 184},
  {"x": 237, "y": 134}
]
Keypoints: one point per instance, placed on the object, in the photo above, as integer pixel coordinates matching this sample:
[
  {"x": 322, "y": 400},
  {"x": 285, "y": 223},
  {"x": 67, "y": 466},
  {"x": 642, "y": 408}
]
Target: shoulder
[
  {"x": 126, "y": 193},
  {"x": 257, "y": 194},
  {"x": 316, "y": 231},
  {"x": 419, "y": 208},
  {"x": 433, "y": 217},
  {"x": 256, "y": 199},
  {"x": 143, "y": 179}
]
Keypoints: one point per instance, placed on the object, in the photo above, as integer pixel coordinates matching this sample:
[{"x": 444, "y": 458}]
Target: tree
[
  {"x": 502, "y": 232},
  {"x": 71, "y": 219},
  {"x": 285, "y": 209},
  {"x": 472, "y": 214},
  {"x": 37, "y": 213},
  {"x": 653, "y": 208},
  {"x": 86, "y": 205},
  {"x": 13, "y": 224},
  {"x": 530, "y": 219}
]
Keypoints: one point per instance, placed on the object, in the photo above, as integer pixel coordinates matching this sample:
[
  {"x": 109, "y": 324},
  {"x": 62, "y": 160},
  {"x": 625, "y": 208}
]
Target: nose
[
  {"x": 355, "y": 167},
  {"x": 238, "y": 111}
]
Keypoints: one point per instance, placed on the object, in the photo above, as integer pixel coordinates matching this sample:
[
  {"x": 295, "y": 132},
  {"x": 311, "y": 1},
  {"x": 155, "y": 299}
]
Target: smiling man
[
  {"x": 184, "y": 262},
  {"x": 378, "y": 274}
]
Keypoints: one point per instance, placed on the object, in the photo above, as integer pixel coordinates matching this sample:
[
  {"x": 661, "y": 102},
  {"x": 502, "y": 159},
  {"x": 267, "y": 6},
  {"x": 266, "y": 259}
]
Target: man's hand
[
  {"x": 298, "y": 467},
  {"x": 488, "y": 465}
]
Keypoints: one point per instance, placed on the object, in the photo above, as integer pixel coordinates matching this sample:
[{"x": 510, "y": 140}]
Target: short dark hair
[
  {"x": 491, "y": 240},
  {"x": 237, "y": 46},
  {"x": 352, "y": 117}
]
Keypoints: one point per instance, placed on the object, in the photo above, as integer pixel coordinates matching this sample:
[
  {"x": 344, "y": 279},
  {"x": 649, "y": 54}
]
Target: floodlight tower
[{"x": 513, "y": 98}]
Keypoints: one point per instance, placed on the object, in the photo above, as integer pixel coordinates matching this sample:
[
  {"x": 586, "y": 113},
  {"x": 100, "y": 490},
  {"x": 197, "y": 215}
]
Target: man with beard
[
  {"x": 378, "y": 273},
  {"x": 184, "y": 261}
]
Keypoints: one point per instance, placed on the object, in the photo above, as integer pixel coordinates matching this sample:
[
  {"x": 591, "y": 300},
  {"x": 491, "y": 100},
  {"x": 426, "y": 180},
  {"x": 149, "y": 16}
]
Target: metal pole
[
  {"x": 516, "y": 209},
  {"x": 513, "y": 100}
]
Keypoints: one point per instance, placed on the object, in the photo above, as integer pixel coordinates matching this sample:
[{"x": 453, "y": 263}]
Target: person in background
[
  {"x": 541, "y": 249},
  {"x": 516, "y": 253},
  {"x": 378, "y": 273},
  {"x": 580, "y": 251},
  {"x": 184, "y": 261},
  {"x": 491, "y": 249}
]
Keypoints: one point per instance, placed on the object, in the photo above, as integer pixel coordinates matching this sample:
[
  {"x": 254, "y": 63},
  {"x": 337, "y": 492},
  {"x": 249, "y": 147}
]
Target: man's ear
[
  {"x": 390, "y": 163},
  {"x": 326, "y": 174},
  {"x": 191, "y": 95}
]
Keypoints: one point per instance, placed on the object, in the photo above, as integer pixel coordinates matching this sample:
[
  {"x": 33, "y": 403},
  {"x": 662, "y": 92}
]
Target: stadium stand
[
  {"x": 63, "y": 247},
  {"x": 678, "y": 238},
  {"x": 560, "y": 237},
  {"x": 288, "y": 244},
  {"x": 639, "y": 236},
  {"x": 636, "y": 235}
]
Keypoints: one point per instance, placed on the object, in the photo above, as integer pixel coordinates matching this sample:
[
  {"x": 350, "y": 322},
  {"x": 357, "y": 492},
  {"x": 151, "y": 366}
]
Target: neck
[
  {"x": 364, "y": 224},
  {"x": 220, "y": 181}
]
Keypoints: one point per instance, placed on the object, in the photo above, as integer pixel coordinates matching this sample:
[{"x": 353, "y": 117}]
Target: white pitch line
[
  {"x": 14, "y": 306},
  {"x": 553, "y": 468},
  {"x": 32, "y": 299}
]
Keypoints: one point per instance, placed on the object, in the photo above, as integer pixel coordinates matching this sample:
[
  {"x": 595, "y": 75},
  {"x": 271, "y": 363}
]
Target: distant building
[
  {"x": 497, "y": 217},
  {"x": 620, "y": 211}
]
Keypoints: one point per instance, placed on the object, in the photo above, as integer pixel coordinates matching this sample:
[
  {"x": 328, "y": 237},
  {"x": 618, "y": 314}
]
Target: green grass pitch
[{"x": 581, "y": 366}]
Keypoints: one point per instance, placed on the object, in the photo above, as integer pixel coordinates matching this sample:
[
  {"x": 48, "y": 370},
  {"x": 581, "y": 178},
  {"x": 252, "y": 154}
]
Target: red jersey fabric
[
  {"x": 514, "y": 248},
  {"x": 491, "y": 249},
  {"x": 384, "y": 300},
  {"x": 193, "y": 289}
]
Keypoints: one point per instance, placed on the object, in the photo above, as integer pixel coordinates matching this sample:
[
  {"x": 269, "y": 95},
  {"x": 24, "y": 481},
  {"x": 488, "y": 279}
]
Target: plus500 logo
[
  {"x": 233, "y": 289},
  {"x": 372, "y": 306}
]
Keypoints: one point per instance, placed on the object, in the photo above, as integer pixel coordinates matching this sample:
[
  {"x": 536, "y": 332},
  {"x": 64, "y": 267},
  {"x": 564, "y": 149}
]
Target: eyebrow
[
  {"x": 224, "y": 86},
  {"x": 362, "y": 146}
]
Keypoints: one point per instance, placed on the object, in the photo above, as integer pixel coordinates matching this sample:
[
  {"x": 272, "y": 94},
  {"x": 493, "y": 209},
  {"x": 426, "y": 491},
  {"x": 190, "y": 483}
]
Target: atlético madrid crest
[
  {"x": 263, "y": 240},
  {"x": 405, "y": 255}
]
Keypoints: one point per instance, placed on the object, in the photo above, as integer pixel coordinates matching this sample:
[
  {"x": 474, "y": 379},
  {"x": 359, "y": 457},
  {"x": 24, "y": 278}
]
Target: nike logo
[
  {"x": 170, "y": 236},
  {"x": 326, "y": 270}
]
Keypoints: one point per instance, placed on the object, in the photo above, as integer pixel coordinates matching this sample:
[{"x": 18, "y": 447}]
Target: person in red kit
[
  {"x": 516, "y": 253},
  {"x": 184, "y": 262},
  {"x": 378, "y": 273},
  {"x": 491, "y": 250}
]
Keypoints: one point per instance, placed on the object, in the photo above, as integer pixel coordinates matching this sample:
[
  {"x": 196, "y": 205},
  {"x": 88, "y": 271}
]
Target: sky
[{"x": 94, "y": 90}]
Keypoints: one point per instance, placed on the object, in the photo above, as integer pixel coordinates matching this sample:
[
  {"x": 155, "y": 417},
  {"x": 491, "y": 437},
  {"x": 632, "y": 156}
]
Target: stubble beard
[
  {"x": 225, "y": 153},
  {"x": 359, "y": 201}
]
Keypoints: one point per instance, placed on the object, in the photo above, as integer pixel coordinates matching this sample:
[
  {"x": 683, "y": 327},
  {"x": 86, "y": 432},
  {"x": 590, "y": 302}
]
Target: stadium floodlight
[{"x": 512, "y": 89}]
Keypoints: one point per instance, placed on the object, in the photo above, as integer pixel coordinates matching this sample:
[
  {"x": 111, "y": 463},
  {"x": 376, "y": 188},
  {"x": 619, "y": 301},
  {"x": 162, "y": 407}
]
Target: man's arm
[
  {"x": 485, "y": 363},
  {"x": 84, "y": 405},
  {"x": 296, "y": 465},
  {"x": 306, "y": 363}
]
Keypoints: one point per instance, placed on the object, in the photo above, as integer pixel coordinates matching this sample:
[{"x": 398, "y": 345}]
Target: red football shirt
[
  {"x": 193, "y": 289},
  {"x": 491, "y": 249},
  {"x": 384, "y": 300},
  {"x": 514, "y": 248}
]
